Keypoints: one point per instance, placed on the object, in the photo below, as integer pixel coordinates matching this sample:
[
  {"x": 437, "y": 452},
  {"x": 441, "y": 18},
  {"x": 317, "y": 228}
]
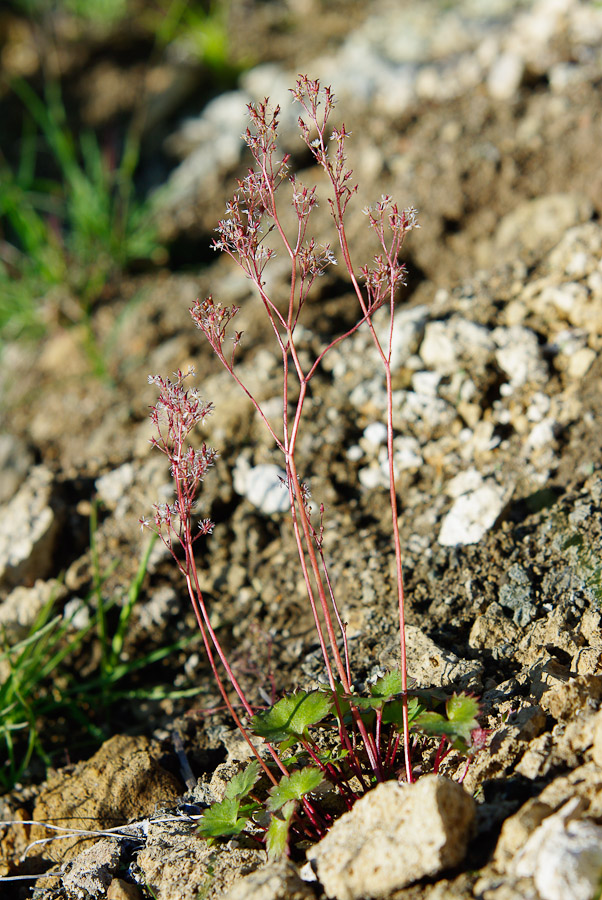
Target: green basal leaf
[
  {"x": 291, "y": 716},
  {"x": 388, "y": 685},
  {"x": 332, "y": 756},
  {"x": 288, "y": 743},
  {"x": 433, "y": 723},
  {"x": 339, "y": 701},
  {"x": 457, "y": 728},
  {"x": 393, "y": 712},
  {"x": 243, "y": 782},
  {"x": 367, "y": 703},
  {"x": 294, "y": 787},
  {"x": 276, "y": 839},
  {"x": 462, "y": 710},
  {"x": 222, "y": 819}
]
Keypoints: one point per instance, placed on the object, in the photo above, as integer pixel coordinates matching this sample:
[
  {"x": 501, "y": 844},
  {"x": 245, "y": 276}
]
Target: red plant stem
[
  {"x": 295, "y": 489},
  {"x": 386, "y": 360},
  {"x": 340, "y": 622},
  {"x": 292, "y": 469},
  {"x": 310, "y": 592},
  {"x": 399, "y": 572},
  {"x": 222, "y": 689},
  {"x": 314, "y": 817},
  {"x": 334, "y": 775},
  {"x": 377, "y": 736},
  {"x": 202, "y": 617},
  {"x": 392, "y": 750},
  {"x": 442, "y": 752}
]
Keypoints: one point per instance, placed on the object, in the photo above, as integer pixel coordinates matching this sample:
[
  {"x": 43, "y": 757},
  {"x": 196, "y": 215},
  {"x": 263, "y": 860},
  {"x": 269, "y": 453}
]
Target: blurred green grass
[{"x": 42, "y": 695}]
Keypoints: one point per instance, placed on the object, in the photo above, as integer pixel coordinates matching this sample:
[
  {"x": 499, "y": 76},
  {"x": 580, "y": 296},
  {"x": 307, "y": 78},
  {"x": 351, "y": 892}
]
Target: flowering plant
[{"x": 373, "y": 732}]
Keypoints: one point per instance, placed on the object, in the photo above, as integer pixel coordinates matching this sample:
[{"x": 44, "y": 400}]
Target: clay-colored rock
[
  {"x": 393, "y": 836},
  {"x": 120, "y": 783},
  {"x": 492, "y": 629},
  {"x": 563, "y": 702},
  {"x": 123, "y": 890}
]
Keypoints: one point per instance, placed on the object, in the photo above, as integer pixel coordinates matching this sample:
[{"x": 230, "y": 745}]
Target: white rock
[
  {"x": 539, "y": 407},
  {"x": 426, "y": 383},
  {"x": 22, "y": 606},
  {"x": 393, "y": 836},
  {"x": 406, "y": 455},
  {"x": 354, "y": 453},
  {"x": 542, "y": 434},
  {"x": 276, "y": 881},
  {"x": 472, "y": 515},
  {"x": 569, "y": 298},
  {"x": 28, "y": 530},
  {"x": 219, "y": 145},
  {"x": 77, "y": 614},
  {"x": 422, "y": 410},
  {"x": 408, "y": 328},
  {"x": 505, "y": 76},
  {"x": 438, "y": 349},
  {"x": 375, "y": 434},
  {"x": 519, "y": 355},
  {"x": 445, "y": 343},
  {"x": 114, "y": 485},
  {"x": 538, "y": 225},
  {"x": 19, "y": 612},
  {"x": 563, "y": 856},
  {"x": 371, "y": 477},
  {"x": 262, "y": 485},
  {"x": 466, "y": 481}
]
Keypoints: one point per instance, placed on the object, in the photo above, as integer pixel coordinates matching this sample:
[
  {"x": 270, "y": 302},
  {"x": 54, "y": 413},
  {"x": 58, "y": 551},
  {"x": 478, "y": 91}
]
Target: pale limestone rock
[
  {"x": 535, "y": 226},
  {"x": 23, "y": 605},
  {"x": 177, "y": 863},
  {"x": 428, "y": 664},
  {"x": 29, "y": 527},
  {"x": 394, "y": 836},
  {"x": 473, "y": 514},
  {"x": 263, "y": 486},
  {"x": 276, "y": 881},
  {"x": 563, "y": 856},
  {"x": 91, "y": 873},
  {"x": 597, "y": 749}
]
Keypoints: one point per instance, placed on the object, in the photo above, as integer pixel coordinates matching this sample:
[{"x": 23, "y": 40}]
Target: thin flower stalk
[{"x": 174, "y": 415}]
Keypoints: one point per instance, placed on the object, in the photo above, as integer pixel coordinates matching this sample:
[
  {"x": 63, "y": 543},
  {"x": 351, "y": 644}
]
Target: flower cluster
[{"x": 176, "y": 412}]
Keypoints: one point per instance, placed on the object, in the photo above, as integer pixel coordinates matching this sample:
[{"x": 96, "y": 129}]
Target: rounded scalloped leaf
[
  {"x": 294, "y": 787},
  {"x": 291, "y": 716}
]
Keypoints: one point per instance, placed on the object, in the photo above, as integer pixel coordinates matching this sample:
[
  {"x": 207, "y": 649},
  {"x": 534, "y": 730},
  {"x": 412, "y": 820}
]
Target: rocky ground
[{"x": 487, "y": 118}]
